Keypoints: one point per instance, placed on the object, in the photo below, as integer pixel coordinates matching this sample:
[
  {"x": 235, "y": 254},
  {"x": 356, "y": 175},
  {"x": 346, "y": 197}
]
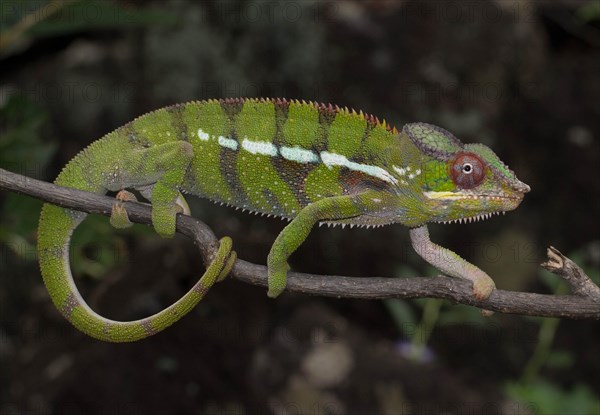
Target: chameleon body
[{"x": 302, "y": 161}]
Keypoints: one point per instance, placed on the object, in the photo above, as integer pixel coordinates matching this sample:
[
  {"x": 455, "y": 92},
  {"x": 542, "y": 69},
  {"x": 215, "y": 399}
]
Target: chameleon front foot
[
  {"x": 450, "y": 263},
  {"x": 483, "y": 285}
]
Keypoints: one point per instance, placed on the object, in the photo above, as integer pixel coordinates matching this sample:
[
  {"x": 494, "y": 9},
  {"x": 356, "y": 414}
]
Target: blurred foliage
[
  {"x": 24, "y": 21},
  {"x": 546, "y": 398},
  {"x": 590, "y": 11},
  {"x": 22, "y": 150},
  {"x": 97, "y": 247},
  {"x": 219, "y": 54}
]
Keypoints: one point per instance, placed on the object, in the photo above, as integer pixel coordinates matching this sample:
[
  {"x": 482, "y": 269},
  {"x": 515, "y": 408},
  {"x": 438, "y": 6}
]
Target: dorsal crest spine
[{"x": 328, "y": 110}]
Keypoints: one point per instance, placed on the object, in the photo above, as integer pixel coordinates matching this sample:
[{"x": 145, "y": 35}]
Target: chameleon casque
[{"x": 302, "y": 161}]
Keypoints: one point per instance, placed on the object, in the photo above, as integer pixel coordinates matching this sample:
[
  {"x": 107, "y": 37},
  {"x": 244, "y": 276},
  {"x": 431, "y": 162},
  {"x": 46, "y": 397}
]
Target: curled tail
[
  {"x": 116, "y": 162},
  {"x": 55, "y": 230}
]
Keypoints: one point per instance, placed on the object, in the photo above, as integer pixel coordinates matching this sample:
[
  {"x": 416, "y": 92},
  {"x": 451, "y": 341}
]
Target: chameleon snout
[{"x": 521, "y": 187}]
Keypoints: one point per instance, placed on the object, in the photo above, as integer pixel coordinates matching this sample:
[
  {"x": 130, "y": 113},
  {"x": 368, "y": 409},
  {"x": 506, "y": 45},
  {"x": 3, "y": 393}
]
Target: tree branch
[{"x": 583, "y": 304}]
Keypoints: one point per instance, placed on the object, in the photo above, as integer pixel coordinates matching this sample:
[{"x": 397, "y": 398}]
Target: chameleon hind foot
[
  {"x": 118, "y": 217},
  {"x": 483, "y": 285},
  {"x": 291, "y": 237},
  {"x": 277, "y": 277}
]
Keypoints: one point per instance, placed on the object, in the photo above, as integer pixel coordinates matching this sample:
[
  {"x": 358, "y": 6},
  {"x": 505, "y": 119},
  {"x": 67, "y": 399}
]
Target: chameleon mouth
[
  {"x": 471, "y": 219},
  {"x": 463, "y": 196}
]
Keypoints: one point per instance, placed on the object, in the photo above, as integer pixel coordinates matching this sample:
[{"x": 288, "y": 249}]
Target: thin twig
[
  {"x": 577, "y": 279},
  {"x": 576, "y": 306},
  {"x": 13, "y": 34}
]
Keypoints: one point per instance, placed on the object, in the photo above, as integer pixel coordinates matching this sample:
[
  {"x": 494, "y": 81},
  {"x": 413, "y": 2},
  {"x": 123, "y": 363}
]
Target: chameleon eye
[{"x": 467, "y": 170}]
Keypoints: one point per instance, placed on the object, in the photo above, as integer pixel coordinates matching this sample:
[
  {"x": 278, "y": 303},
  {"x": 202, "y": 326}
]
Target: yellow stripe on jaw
[
  {"x": 444, "y": 195},
  {"x": 462, "y": 196}
]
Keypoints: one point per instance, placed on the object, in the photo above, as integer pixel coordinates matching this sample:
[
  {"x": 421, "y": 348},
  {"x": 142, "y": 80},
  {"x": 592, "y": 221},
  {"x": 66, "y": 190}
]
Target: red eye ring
[{"x": 467, "y": 170}]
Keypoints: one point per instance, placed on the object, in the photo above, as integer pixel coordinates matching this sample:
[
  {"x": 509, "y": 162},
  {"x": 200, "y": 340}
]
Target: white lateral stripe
[
  {"x": 332, "y": 159},
  {"x": 228, "y": 142},
  {"x": 202, "y": 135},
  {"x": 301, "y": 155},
  {"x": 259, "y": 147},
  {"x": 298, "y": 154}
]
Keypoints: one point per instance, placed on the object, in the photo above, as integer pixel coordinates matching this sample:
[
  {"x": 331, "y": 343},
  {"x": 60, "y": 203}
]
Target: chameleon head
[{"x": 462, "y": 182}]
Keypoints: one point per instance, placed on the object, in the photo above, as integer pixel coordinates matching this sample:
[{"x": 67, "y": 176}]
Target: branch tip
[{"x": 573, "y": 274}]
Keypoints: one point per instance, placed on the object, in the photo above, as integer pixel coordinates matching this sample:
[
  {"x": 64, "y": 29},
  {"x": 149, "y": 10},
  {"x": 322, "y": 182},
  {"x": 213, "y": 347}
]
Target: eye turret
[{"x": 467, "y": 170}]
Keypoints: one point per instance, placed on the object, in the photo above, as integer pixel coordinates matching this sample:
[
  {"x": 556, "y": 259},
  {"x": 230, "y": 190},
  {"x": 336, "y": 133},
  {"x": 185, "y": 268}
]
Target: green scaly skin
[{"x": 306, "y": 162}]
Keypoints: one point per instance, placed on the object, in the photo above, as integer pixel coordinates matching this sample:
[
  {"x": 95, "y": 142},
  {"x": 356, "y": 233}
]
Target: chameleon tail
[{"x": 56, "y": 227}]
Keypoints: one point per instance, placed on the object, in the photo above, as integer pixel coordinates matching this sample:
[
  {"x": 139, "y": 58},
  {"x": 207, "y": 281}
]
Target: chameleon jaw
[
  {"x": 505, "y": 203},
  {"x": 471, "y": 219},
  {"x": 462, "y": 196}
]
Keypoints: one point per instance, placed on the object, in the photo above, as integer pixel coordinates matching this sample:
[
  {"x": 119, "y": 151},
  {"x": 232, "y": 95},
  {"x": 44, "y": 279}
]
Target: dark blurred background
[{"x": 520, "y": 76}]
